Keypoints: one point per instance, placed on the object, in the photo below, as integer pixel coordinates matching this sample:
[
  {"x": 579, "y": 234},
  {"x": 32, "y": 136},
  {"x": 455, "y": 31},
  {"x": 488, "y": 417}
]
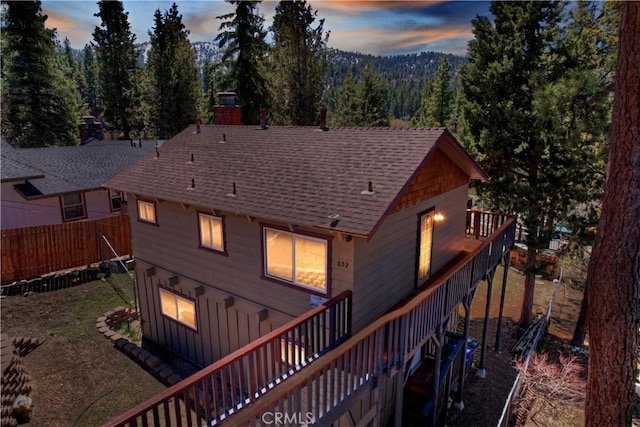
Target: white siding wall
[{"x": 385, "y": 266}]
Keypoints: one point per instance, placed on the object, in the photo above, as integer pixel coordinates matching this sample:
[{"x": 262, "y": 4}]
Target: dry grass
[{"x": 78, "y": 377}]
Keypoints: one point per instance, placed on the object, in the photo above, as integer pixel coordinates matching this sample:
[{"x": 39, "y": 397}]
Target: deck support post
[
  {"x": 466, "y": 303},
  {"x": 482, "y": 373},
  {"x": 433, "y": 419},
  {"x": 507, "y": 262},
  {"x": 400, "y": 371}
]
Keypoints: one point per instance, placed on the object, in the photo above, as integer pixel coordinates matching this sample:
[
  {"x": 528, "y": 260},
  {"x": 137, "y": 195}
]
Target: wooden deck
[{"x": 376, "y": 355}]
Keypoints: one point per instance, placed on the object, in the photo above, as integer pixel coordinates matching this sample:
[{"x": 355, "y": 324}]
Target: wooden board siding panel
[
  {"x": 385, "y": 266},
  {"x": 438, "y": 175},
  {"x": 173, "y": 245},
  {"x": 220, "y": 330}
]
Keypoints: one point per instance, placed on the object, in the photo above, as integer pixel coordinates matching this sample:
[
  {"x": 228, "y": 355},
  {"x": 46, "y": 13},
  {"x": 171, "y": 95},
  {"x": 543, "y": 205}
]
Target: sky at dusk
[{"x": 373, "y": 27}]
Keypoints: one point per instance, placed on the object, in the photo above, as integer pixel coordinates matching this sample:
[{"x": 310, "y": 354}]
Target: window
[
  {"x": 424, "y": 245},
  {"x": 117, "y": 199},
  {"x": 296, "y": 259},
  {"x": 147, "y": 212},
  {"x": 211, "y": 232},
  {"x": 178, "y": 308},
  {"x": 73, "y": 207}
]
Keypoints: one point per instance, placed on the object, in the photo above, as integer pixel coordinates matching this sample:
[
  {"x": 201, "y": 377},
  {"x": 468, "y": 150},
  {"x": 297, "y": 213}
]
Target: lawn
[{"x": 78, "y": 377}]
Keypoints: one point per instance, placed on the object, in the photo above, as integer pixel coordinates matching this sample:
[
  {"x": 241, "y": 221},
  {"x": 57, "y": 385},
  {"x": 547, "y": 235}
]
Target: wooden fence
[{"x": 33, "y": 251}]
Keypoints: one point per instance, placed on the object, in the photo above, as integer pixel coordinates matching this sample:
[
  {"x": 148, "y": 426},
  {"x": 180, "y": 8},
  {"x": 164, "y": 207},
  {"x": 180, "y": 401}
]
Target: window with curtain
[
  {"x": 178, "y": 308},
  {"x": 211, "y": 233}
]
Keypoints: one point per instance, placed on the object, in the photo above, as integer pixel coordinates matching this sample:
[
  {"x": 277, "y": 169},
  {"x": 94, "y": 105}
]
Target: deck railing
[
  {"x": 244, "y": 376},
  {"x": 324, "y": 390},
  {"x": 481, "y": 224}
]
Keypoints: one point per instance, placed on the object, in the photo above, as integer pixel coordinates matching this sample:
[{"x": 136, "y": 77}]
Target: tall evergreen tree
[
  {"x": 116, "y": 56},
  {"x": 528, "y": 117},
  {"x": 91, "y": 93},
  {"x": 298, "y": 63},
  {"x": 365, "y": 103},
  {"x": 437, "y": 99},
  {"x": 174, "y": 92},
  {"x": 614, "y": 268},
  {"x": 346, "y": 111},
  {"x": 243, "y": 37},
  {"x": 38, "y": 103}
]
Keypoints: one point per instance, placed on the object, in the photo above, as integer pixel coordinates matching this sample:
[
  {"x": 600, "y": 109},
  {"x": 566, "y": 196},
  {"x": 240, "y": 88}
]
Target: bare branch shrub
[{"x": 549, "y": 386}]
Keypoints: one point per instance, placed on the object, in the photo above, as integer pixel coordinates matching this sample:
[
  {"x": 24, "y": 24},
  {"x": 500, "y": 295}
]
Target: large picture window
[
  {"x": 296, "y": 259},
  {"x": 73, "y": 207},
  {"x": 425, "y": 245},
  {"x": 147, "y": 212},
  {"x": 211, "y": 232},
  {"x": 178, "y": 308}
]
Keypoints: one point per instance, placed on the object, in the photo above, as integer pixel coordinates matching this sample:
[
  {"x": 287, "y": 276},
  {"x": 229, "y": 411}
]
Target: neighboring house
[
  {"x": 52, "y": 185},
  {"x": 237, "y": 230}
]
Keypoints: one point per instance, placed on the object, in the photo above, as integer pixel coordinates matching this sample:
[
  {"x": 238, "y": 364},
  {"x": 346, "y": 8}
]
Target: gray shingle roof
[
  {"x": 296, "y": 175},
  {"x": 71, "y": 168},
  {"x": 11, "y": 166}
]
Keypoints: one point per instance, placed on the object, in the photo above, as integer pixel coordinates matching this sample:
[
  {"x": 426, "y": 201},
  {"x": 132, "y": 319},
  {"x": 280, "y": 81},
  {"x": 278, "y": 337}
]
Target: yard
[{"x": 78, "y": 377}]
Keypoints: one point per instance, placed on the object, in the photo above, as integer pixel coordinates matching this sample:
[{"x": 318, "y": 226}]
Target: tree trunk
[
  {"x": 614, "y": 270},
  {"x": 580, "y": 332},
  {"x": 526, "y": 316}
]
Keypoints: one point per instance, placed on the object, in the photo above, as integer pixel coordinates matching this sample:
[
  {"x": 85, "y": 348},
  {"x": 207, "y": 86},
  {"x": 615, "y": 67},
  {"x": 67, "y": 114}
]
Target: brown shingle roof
[{"x": 296, "y": 175}]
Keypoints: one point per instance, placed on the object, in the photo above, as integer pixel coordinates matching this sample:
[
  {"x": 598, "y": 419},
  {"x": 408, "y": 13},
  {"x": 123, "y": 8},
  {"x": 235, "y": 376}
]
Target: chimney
[
  {"x": 263, "y": 118},
  {"x": 227, "y": 112},
  {"x": 197, "y": 125},
  {"x": 323, "y": 119}
]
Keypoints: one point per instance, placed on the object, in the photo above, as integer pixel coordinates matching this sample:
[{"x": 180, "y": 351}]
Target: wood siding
[
  {"x": 385, "y": 266},
  {"x": 438, "y": 175},
  {"x": 18, "y": 212},
  {"x": 172, "y": 247}
]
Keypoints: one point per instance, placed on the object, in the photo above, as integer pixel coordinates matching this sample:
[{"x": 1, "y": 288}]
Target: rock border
[{"x": 113, "y": 319}]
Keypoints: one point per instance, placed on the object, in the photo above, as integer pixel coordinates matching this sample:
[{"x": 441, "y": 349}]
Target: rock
[{"x": 22, "y": 408}]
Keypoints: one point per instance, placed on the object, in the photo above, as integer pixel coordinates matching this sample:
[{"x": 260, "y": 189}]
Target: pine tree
[
  {"x": 91, "y": 92},
  {"x": 365, "y": 103},
  {"x": 437, "y": 99},
  {"x": 346, "y": 111},
  {"x": 38, "y": 103},
  {"x": 614, "y": 268},
  {"x": 173, "y": 78},
  {"x": 116, "y": 56},
  {"x": 298, "y": 64},
  {"x": 243, "y": 37},
  {"x": 528, "y": 113}
]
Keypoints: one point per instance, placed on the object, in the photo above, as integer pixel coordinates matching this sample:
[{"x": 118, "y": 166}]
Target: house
[
  {"x": 239, "y": 230},
  {"x": 279, "y": 218},
  {"x": 53, "y": 185}
]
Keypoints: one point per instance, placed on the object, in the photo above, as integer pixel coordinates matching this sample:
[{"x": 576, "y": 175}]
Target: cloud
[
  {"x": 386, "y": 41},
  {"x": 78, "y": 30}
]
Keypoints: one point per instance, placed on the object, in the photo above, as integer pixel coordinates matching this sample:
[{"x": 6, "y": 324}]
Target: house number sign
[{"x": 344, "y": 264}]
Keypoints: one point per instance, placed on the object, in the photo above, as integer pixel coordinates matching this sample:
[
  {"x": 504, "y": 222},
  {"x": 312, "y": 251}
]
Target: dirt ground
[
  {"x": 78, "y": 377},
  {"x": 485, "y": 397}
]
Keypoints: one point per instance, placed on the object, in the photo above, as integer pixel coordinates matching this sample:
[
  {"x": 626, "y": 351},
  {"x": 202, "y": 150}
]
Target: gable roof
[
  {"x": 296, "y": 175},
  {"x": 59, "y": 170}
]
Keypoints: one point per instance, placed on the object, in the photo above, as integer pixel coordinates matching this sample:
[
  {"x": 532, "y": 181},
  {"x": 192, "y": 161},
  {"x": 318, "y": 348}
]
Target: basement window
[
  {"x": 211, "y": 232},
  {"x": 178, "y": 308},
  {"x": 73, "y": 207},
  {"x": 296, "y": 259},
  {"x": 147, "y": 212}
]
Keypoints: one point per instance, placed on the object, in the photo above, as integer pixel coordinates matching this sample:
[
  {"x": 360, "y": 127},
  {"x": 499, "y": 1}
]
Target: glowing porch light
[{"x": 438, "y": 217}]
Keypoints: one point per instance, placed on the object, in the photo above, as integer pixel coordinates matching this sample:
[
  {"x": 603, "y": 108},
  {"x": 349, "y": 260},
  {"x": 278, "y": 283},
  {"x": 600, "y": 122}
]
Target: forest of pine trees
[{"x": 157, "y": 88}]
